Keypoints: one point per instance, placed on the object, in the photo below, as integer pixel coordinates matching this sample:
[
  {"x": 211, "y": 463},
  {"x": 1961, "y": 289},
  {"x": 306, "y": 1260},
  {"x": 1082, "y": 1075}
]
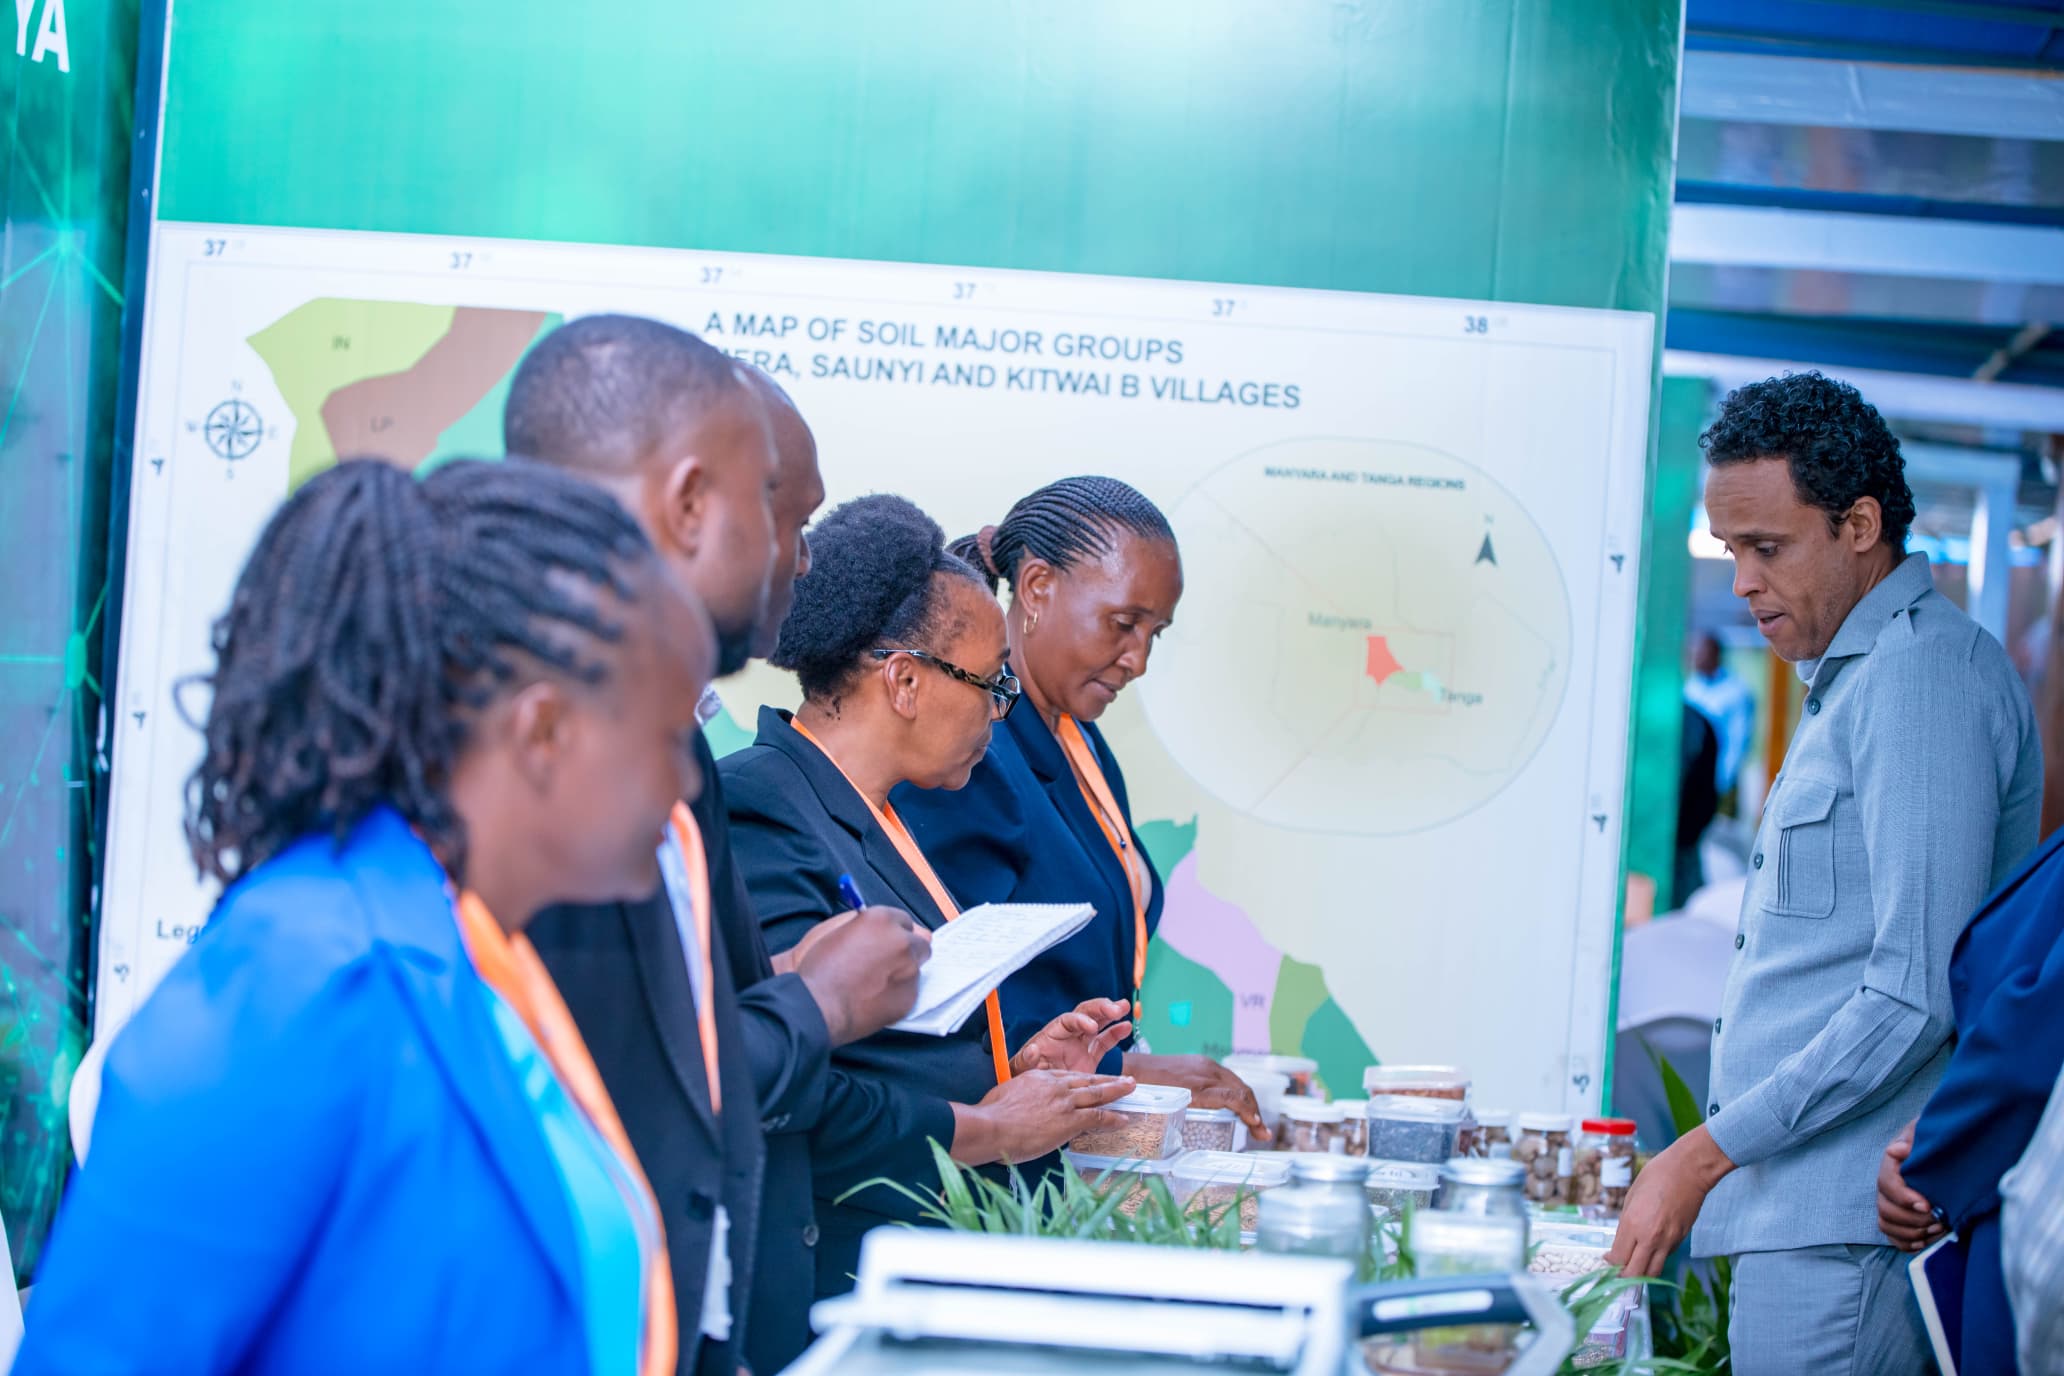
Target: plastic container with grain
[
  {"x": 1210, "y": 1182},
  {"x": 1213, "y": 1129},
  {"x": 1419, "y": 1081},
  {"x": 1150, "y": 1129},
  {"x": 1393, "y": 1184},
  {"x": 1310, "y": 1125},
  {"x": 1108, "y": 1173},
  {"x": 1403, "y": 1128}
]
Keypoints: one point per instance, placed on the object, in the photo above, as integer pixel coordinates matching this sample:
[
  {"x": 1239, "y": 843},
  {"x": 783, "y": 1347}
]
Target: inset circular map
[
  {"x": 1374, "y": 637},
  {"x": 233, "y": 429}
]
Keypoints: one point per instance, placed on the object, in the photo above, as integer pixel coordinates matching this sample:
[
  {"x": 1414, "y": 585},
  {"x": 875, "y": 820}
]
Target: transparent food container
[
  {"x": 1543, "y": 1147},
  {"x": 1399, "y": 1184},
  {"x": 1151, "y": 1126},
  {"x": 1354, "y": 1126},
  {"x": 1402, "y": 1128},
  {"x": 1298, "y": 1071},
  {"x": 1446, "y": 1243},
  {"x": 1309, "y": 1125},
  {"x": 1213, "y": 1129},
  {"x": 1418, "y": 1081},
  {"x": 1491, "y": 1138},
  {"x": 1209, "y": 1183},
  {"x": 1603, "y": 1165},
  {"x": 1108, "y": 1173},
  {"x": 1321, "y": 1213},
  {"x": 1565, "y": 1250}
]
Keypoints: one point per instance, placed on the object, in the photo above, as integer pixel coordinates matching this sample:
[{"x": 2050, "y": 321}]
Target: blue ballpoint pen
[{"x": 849, "y": 892}]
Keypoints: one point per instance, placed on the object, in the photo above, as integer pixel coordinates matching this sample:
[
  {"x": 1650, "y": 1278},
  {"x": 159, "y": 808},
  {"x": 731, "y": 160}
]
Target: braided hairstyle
[
  {"x": 1065, "y": 523},
  {"x": 870, "y": 583},
  {"x": 376, "y": 616}
]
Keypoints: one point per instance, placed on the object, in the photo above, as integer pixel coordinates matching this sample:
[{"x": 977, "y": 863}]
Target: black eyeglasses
[{"x": 1003, "y": 690}]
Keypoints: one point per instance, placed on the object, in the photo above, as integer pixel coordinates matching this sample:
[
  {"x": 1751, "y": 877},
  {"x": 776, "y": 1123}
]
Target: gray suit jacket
[{"x": 1910, "y": 790}]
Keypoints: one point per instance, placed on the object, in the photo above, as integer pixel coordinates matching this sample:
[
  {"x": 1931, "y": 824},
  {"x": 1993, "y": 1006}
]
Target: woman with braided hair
[
  {"x": 1094, "y": 576},
  {"x": 898, "y": 646},
  {"x": 354, "y": 1129}
]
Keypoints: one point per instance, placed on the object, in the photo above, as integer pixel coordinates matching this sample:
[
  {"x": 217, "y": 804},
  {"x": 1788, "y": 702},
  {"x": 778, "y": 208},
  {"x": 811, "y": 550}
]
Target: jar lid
[
  {"x": 1380, "y": 1077},
  {"x": 1417, "y": 1110},
  {"x": 1406, "y": 1175},
  {"x": 1120, "y": 1165},
  {"x": 1209, "y": 1115},
  {"x": 1153, "y": 1099},
  {"x": 1528, "y": 1122},
  {"x": 1352, "y": 1108},
  {"x": 1612, "y": 1127},
  {"x": 1260, "y": 1169},
  {"x": 1469, "y": 1170},
  {"x": 1328, "y": 1168},
  {"x": 1308, "y": 1110},
  {"x": 1259, "y": 1060},
  {"x": 1494, "y": 1117}
]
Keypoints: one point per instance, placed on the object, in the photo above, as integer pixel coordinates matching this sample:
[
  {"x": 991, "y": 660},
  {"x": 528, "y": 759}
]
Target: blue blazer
[
  {"x": 1021, "y": 832},
  {"x": 312, "y": 1154}
]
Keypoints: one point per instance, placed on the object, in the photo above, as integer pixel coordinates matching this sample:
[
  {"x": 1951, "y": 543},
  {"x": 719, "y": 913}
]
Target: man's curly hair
[{"x": 1837, "y": 445}]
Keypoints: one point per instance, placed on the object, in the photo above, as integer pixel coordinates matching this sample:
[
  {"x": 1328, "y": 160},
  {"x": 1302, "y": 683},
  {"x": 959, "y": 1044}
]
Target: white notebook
[{"x": 980, "y": 949}]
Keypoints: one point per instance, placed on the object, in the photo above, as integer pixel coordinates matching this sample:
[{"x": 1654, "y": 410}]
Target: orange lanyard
[
  {"x": 906, "y": 846},
  {"x": 1096, "y": 791},
  {"x": 510, "y": 966},
  {"x": 687, "y": 837}
]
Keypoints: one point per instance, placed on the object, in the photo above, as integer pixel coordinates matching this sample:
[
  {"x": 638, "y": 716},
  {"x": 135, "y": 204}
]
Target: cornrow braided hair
[
  {"x": 1064, "y": 523},
  {"x": 376, "y": 615}
]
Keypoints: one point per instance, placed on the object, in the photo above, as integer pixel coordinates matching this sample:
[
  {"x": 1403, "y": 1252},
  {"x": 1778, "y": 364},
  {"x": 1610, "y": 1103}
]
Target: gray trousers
[{"x": 1843, "y": 1310}]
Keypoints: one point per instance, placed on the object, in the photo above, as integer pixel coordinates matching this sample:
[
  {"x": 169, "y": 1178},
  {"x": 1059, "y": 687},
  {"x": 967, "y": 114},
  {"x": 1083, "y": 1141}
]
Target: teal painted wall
[{"x": 1508, "y": 149}]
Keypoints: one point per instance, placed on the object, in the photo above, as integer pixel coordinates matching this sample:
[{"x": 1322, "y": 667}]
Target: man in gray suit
[{"x": 1910, "y": 788}]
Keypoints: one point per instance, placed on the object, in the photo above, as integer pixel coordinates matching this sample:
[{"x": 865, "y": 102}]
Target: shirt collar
[{"x": 1907, "y": 584}]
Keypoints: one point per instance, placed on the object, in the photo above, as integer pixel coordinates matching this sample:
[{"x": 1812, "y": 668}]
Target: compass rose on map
[{"x": 233, "y": 429}]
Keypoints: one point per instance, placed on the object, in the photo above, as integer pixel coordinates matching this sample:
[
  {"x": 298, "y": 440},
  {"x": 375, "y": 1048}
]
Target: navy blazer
[
  {"x": 622, "y": 971},
  {"x": 312, "y": 1154},
  {"x": 2006, "y": 981},
  {"x": 1021, "y": 832},
  {"x": 796, "y": 826}
]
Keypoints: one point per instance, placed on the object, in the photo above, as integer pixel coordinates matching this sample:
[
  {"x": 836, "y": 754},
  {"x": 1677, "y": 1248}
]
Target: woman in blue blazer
[
  {"x": 899, "y": 649},
  {"x": 332, "y": 1140},
  {"x": 1094, "y": 576}
]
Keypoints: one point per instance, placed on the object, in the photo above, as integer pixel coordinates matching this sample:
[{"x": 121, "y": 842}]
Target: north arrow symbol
[{"x": 1487, "y": 555}]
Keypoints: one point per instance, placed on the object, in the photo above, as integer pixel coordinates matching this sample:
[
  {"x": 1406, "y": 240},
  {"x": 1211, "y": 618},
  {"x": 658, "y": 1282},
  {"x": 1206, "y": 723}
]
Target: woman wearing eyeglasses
[
  {"x": 899, "y": 647},
  {"x": 1094, "y": 576}
]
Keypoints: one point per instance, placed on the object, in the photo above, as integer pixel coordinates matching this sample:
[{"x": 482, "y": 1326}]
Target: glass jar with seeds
[{"x": 1543, "y": 1147}]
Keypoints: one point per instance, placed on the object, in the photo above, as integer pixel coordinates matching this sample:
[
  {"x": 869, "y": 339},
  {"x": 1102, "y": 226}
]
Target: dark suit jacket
[
  {"x": 797, "y": 825},
  {"x": 621, "y": 969},
  {"x": 1021, "y": 832},
  {"x": 2007, "y": 981}
]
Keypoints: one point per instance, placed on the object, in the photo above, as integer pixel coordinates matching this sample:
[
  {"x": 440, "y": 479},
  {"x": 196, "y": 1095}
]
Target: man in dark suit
[
  {"x": 684, "y": 438},
  {"x": 2007, "y": 982}
]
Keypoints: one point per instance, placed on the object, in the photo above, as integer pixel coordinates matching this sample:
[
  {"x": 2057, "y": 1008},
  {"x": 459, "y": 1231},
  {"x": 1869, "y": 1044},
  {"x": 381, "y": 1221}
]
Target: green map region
[
  {"x": 413, "y": 384},
  {"x": 1215, "y": 984}
]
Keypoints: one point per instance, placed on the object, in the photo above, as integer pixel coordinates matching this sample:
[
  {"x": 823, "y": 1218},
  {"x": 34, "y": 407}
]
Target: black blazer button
[{"x": 700, "y": 1206}]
